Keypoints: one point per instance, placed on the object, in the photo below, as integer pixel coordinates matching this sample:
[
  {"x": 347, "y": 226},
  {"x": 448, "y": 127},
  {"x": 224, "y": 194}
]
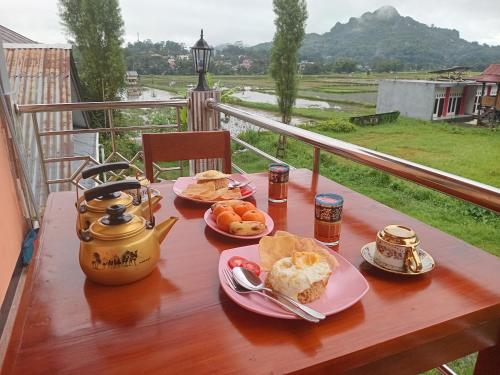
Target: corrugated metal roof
[
  {"x": 10, "y": 36},
  {"x": 42, "y": 75},
  {"x": 490, "y": 74}
]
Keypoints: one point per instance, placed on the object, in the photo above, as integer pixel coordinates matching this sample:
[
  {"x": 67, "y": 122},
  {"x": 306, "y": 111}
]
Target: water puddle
[
  {"x": 145, "y": 93},
  {"x": 261, "y": 97}
]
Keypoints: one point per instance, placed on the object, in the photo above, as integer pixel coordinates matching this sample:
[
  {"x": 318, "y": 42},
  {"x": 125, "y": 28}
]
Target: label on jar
[{"x": 328, "y": 213}]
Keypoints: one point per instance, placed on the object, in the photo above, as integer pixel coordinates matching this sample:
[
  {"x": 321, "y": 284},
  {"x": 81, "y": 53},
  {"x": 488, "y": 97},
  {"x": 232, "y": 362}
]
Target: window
[{"x": 438, "y": 104}]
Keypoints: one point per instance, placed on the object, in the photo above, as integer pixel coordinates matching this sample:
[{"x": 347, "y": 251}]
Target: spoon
[
  {"x": 237, "y": 184},
  {"x": 251, "y": 281}
]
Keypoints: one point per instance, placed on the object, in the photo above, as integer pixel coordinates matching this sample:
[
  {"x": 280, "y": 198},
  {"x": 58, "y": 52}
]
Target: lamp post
[
  {"x": 201, "y": 55},
  {"x": 200, "y": 117}
]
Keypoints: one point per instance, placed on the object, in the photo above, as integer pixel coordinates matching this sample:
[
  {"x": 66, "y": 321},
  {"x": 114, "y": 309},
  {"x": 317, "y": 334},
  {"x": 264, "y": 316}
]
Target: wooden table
[{"x": 178, "y": 320}]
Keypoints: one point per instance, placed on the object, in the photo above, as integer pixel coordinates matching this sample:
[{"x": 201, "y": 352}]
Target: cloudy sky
[{"x": 250, "y": 21}]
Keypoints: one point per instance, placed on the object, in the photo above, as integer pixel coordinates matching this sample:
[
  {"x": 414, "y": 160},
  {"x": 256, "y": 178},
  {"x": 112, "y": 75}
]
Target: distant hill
[
  {"x": 382, "y": 41},
  {"x": 385, "y": 34}
]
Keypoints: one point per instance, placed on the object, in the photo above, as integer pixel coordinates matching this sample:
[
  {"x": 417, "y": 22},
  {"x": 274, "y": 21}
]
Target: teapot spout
[{"x": 164, "y": 227}]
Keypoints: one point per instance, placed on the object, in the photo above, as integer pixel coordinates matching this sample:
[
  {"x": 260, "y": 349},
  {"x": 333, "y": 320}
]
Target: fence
[{"x": 472, "y": 191}]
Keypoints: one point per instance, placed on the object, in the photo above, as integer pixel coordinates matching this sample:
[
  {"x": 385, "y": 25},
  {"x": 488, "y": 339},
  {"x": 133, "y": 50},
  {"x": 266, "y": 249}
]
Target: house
[
  {"x": 489, "y": 110},
  {"x": 431, "y": 99},
  {"x": 43, "y": 74}
]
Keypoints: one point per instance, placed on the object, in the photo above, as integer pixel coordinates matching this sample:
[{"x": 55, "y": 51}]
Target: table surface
[{"x": 179, "y": 320}]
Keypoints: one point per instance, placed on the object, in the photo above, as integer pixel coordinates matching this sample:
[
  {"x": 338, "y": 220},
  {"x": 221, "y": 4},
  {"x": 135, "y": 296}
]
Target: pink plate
[
  {"x": 182, "y": 183},
  {"x": 212, "y": 224},
  {"x": 345, "y": 287}
]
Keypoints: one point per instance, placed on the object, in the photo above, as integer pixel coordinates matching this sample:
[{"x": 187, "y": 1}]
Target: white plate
[{"x": 368, "y": 251}]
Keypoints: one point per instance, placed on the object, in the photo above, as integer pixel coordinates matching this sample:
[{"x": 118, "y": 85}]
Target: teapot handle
[
  {"x": 110, "y": 187},
  {"x": 92, "y": 171}
]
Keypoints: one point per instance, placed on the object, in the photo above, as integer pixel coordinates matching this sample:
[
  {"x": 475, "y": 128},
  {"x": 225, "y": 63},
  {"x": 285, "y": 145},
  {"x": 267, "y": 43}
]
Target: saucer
[{"x": 428, "y": 264}]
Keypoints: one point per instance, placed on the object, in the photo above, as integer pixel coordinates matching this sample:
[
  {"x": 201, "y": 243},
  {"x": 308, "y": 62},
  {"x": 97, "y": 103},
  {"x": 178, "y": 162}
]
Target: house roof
[
  {"x": 40, "y": 75},
  {"x": 10, "y": 36},
  {"x": 44, "y": 74},
  {"x": 490, "y": 74}
]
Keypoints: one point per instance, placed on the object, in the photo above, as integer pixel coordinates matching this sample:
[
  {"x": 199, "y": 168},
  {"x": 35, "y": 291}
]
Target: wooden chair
[{"x": 186, "y": 146}]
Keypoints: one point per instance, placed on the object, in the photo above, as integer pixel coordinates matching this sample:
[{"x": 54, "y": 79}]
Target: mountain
[
  {"x": 385, "y": 34},
  {"x": 382, "y": 40}
]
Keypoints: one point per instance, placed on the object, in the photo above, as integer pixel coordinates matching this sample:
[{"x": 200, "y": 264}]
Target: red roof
[{"x": 491, "y": 74}]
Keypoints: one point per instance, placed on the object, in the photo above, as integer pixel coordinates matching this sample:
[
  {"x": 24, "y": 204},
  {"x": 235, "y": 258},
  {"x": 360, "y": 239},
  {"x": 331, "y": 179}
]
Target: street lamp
[{"x": 201, "y": 54}]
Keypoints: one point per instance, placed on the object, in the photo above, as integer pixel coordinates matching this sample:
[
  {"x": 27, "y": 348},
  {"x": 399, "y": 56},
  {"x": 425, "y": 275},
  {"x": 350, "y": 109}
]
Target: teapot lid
[
  {"x": 117, "y": 224},
  {"x": 101, "y": 203}
]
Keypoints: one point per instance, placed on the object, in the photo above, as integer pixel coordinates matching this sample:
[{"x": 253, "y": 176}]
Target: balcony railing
[
  {"x": 468, "y": 190},
  {"x": 460, "y": 187}
]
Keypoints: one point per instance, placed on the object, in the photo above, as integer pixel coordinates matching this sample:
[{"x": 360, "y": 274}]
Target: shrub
[{"x": 336, "y": 125}]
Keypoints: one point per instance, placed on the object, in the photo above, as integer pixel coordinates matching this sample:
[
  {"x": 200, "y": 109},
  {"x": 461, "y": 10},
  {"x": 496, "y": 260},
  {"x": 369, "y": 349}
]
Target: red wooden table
[{"x": 178, "y": 320}]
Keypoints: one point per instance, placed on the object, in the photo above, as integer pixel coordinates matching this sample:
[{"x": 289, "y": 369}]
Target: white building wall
[{"x": 411, "y": 98}]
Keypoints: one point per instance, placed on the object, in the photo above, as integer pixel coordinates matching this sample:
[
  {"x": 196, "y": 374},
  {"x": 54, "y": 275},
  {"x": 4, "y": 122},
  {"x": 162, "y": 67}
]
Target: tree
[
  {"x": 345, "y": 65},
  {"x": 291, "y": 16},
  {"x": 96, "y": 31}
]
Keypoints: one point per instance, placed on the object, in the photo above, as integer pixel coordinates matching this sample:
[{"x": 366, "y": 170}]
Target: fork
[{"x": 231, "y": 283}]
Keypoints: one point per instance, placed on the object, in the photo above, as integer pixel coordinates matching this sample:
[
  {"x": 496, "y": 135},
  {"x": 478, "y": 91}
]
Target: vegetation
[
  {"x": 290, "y": 21},
  {"x": 166, "y": 57},
  {"x": 334, "y": 126},
  {"x": 379, "y": 41},
  {"x": 403, "y": 41},
  {"x": 96, "y": 29}
]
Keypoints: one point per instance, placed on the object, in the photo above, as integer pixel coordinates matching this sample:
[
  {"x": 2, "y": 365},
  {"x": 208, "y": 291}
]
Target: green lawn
[{"x": 466, "y": 151}]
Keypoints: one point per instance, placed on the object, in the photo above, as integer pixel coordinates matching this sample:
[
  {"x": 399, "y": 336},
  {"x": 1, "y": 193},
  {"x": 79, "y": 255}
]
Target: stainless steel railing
[
  {"x": 107, "y": 107},
  {"x": 460, "y": 187}
]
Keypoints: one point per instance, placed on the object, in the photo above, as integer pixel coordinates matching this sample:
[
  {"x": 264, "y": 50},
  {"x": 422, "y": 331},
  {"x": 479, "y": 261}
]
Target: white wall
[{"x": 411, "y": 98}]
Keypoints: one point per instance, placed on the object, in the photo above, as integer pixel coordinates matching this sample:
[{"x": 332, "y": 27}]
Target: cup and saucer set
[{"x": 397, "y": 250}]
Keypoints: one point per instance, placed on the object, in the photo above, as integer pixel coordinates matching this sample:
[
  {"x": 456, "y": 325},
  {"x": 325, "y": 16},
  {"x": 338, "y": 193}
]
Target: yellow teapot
[
  {"x": 88, "y": 212},
  {"x": 121, "y": 247}
]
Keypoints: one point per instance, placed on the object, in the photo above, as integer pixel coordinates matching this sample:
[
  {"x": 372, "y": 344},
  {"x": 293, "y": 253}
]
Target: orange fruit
[
  {"x": 221, "y": 208},
  {"x": 226, "y": 218},
  {"x": 243, "y": 207},
  {"x": 254, "y": 215}
]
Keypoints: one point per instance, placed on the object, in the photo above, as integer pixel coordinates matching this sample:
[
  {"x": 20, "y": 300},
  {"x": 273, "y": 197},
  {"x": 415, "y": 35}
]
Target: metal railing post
[
  {"x": 111, "y": 126},
  {"x": 178, "y": 118},
  {"x": 316, "y": 160},
  {"x": 40, "y": 152}
]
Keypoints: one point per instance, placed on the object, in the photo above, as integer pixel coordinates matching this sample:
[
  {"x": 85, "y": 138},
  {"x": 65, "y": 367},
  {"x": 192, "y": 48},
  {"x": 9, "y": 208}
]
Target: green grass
[{"x": 466, "y": 151}]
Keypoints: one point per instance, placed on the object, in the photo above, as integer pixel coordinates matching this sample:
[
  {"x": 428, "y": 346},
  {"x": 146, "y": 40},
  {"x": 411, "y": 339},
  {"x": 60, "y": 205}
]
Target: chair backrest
[{"x": 186, "y": 146}]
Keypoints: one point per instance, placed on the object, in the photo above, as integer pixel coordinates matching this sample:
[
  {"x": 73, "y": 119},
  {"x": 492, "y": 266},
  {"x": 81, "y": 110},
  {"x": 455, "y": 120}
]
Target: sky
[{"x": 228, "y": 21}]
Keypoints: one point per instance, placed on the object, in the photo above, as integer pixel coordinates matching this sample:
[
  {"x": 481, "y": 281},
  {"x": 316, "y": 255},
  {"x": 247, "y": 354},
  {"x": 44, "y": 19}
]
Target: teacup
[{"x": 397, "y": 249}]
